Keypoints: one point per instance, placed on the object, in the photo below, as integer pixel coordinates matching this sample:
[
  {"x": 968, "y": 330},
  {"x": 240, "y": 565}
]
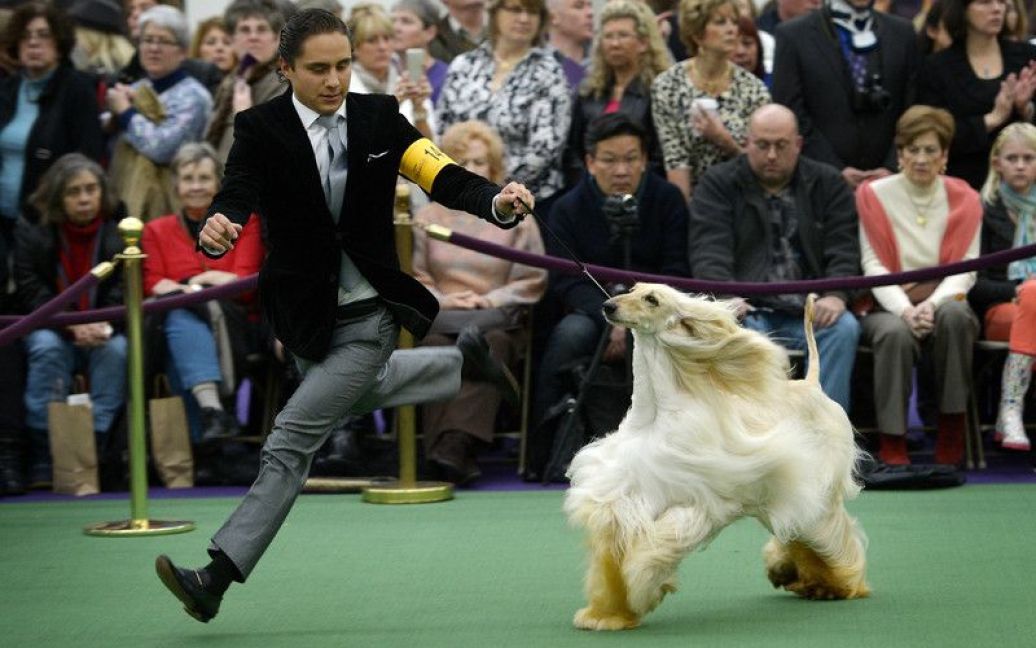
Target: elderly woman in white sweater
[{"x": 919, "y": 218}]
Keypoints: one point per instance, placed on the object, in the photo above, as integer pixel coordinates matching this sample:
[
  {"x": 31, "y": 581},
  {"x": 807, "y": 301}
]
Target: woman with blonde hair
[
  {"x": 473, "y": 289},
  {"x": 919, "y": 218},
  {"x": 627, "y": 54},
  {"x": 702, "y": 105},
  {"x": 376, "y": 69},
  {"x": 1005, "y": 296}
]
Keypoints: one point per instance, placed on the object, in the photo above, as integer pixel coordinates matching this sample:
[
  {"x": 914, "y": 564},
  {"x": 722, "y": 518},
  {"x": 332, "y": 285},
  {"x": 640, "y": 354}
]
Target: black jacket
[
  {"x": 811, "y": 76},
  {"x": 730, "y": 232},
  {"x": 992, "y": 285},
  {"x": 636, "y": 102},
  {"x": 946, "y": 80},
  {"x": 36, "y": 264},
  {"x": 659, "y": 246},
  {"x": 271, "y": 169},
  {"x": 68, "y": 122}
]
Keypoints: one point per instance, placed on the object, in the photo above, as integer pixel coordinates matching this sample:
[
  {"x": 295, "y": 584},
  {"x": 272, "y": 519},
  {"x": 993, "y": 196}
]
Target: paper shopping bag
[
  {"x": 170, "y": 438},
  {"x": 72, "y": 447}
]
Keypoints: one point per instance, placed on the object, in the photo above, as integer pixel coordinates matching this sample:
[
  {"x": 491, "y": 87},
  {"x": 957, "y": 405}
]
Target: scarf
[
  {"x": 859, "y": 23},
  {"x": 1025, "y": 230},
  {"x": 372, "y": 83},
  {"x": 79, "y": 247}
]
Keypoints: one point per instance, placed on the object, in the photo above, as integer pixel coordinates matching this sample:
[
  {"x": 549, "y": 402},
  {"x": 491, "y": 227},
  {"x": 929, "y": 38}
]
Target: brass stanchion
[
  {"x": 138, "y": 524},
  {"x": 407, "y": 490}
]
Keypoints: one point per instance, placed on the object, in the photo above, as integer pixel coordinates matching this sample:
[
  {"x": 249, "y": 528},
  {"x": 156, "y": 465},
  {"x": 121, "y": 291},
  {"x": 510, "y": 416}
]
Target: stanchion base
[
  {"x": 396, "y": 492},
  {"x": 343, "y": 484},
  {"x": 126, "y": 528}
]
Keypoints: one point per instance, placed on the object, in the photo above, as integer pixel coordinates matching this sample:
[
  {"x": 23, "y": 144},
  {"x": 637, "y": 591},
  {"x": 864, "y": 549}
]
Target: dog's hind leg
[
  {"x": 608, "y": 607},
  {"x": 830, "y": 559},
  {"x": 654, "y": 555},
  {"x": 780, "y": 567}
]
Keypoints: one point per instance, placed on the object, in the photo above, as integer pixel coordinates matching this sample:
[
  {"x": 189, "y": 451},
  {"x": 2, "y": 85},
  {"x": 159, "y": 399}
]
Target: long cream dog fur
[{"x": 716, "y": 431}]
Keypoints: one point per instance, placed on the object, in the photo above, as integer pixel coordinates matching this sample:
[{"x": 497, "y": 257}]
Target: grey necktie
[{"x": 334, "y": 181}]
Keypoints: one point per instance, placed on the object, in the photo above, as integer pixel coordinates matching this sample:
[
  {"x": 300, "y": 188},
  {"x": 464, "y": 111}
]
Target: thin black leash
[{"x": 572, "y": 255}]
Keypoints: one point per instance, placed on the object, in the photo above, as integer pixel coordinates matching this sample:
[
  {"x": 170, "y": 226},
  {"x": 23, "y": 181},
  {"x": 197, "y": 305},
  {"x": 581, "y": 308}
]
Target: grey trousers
[
  {"x": 896, "y": 351},
  {"x": 362, "y": 372}
]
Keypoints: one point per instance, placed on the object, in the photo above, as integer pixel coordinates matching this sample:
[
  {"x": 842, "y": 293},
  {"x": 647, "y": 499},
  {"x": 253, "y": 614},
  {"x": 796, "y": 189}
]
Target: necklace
[
  {"x": 923, "y": 209},
  {"x": 710, "y": 86}
]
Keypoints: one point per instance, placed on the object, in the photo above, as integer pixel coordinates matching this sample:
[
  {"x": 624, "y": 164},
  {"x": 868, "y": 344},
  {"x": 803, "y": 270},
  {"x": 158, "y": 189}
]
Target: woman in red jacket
[{"x": 200, "y": 347}]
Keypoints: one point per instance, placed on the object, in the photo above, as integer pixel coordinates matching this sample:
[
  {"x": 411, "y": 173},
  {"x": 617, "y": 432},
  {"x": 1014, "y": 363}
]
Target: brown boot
[
  {"x": 892, "y": 449},
  {"x": 949, "y": 442}
]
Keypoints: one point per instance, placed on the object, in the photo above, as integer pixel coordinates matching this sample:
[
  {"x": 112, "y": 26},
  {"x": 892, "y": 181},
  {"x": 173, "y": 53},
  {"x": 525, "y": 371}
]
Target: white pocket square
[{"x": 375, "y": 156}]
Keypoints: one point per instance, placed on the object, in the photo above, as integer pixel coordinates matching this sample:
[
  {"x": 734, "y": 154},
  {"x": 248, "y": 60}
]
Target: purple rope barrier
[
  {"x": 32, "y": 321},
  {"x": 742, "y": 288},
  {"x": 112, "y": 313}
]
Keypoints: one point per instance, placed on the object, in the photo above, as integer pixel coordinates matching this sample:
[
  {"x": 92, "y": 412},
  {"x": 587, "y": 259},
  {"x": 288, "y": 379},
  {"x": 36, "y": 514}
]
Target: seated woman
[
  {"x": 77, "y": 230},
  {"x": 473, "y": 288},
  {"x": 156, "y": 115},
  {"x": 916, "y": 219},
  {"x": 1005, "y": 296},
  {"x": 200, "y": 348}
]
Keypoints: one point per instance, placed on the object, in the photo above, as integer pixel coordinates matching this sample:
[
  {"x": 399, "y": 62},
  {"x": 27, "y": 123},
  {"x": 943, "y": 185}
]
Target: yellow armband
[{"x": 422, "y": 162}]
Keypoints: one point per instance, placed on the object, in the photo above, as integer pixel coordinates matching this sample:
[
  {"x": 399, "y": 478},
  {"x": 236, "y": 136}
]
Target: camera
[
  {"x": 873, "y": 97},
  {"x": 621, "y": 212}
]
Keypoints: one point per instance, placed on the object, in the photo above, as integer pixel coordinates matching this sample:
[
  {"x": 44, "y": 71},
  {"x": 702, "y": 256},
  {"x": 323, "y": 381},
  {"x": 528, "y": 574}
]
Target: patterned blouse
[
  {"x": 671, "y": 96},
  {"x": 531, "y": 112}
]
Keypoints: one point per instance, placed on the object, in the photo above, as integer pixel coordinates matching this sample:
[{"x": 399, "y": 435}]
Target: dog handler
[{"x": 320, "y": 167}]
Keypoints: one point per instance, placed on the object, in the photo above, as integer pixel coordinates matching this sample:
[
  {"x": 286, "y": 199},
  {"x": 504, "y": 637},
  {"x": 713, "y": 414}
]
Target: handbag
[
  {"x": 72, "y": 445},
  {"x": 170, "y": 438}
]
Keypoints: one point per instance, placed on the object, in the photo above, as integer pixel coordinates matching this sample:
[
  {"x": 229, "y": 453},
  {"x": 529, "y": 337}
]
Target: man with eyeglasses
[
  {"x": 585, "y": 219},
  {"x": 772, "y": 215}
]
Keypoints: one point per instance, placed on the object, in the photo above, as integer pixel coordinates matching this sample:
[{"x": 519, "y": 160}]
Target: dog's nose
[{"x": 609, "y": 307}]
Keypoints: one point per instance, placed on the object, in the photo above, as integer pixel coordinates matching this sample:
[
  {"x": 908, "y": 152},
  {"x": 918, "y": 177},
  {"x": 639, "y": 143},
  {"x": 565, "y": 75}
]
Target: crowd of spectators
[{"x": 748, "y": 141}]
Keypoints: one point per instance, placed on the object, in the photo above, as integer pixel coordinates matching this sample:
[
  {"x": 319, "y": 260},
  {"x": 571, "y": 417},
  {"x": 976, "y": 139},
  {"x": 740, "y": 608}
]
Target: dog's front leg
[
  {"x": 608, "y": 608},
  {"x": 650, "y": 566}
]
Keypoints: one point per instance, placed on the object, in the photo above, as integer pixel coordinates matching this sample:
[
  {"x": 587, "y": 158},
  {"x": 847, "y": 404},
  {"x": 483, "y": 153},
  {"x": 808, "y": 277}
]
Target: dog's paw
[
  {"x": 590, "y": 619},
  {"x": 819, "y": 591},
  {"x": 783, "y": 574}
]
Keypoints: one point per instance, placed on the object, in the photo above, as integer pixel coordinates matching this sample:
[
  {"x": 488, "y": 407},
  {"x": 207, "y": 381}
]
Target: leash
[{"x": 571, "y": 255}]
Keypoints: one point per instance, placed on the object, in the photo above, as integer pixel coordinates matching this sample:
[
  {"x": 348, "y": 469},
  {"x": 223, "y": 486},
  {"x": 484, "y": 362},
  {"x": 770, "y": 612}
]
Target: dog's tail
[{"x": 813, "y": 364}]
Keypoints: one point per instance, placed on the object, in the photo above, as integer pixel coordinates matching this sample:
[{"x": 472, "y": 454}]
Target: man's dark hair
[
  {"x": 609, "y": 126},
  {"x": 62, "y": 28},
  {"x": 310, "y": 22}
]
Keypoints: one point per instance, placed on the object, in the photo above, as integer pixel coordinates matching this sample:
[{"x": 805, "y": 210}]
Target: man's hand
[
  {"x": 508, "y": 202},
  {"x": 616, "y": 349},
  {"x": 827, "y": 310},
  {"x": 219, "y": 234},
  {"x": 463, "y": 300},
  {"x": 120, "y": 98}
]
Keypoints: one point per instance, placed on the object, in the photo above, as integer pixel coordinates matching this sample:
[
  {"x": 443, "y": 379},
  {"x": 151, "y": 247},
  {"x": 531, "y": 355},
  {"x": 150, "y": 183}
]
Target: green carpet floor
[{"x": 948, "y": 568}]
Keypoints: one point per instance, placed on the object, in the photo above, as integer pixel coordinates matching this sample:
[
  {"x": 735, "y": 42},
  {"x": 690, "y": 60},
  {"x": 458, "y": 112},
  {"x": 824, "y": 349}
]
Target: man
[
  {"x": 773, "y": 215},
  {"x": 778, "y": 11},
  {"x": 331, "y": 286},
  {"x": 462, "y": 29},
  {"x": 570, "y": 33},
  {"x": 590, "y": 219},
  {"x": 848, "y": 73}
]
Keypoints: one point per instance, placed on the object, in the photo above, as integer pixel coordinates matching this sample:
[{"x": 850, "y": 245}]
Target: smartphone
[{"x": 415, "y": 63}]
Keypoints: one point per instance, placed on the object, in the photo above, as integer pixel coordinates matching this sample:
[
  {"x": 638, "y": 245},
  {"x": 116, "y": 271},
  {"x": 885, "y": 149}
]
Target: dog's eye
[{"x": 651, "y": 299}]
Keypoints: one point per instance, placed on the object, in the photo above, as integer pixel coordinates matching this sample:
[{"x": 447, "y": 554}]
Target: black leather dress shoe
[
  {"x": 480, "y": 362},
  {"x": 188, "y": 586},
  {"x": 218, "y": 424}
]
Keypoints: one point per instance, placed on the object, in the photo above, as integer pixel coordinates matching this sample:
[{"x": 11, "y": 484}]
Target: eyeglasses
[
  {"x": 155, "y": 41},
  {"x": 618, "y": 36},
  {"x": 765, "y": 146},
  {"x": 612, "y": 162}
]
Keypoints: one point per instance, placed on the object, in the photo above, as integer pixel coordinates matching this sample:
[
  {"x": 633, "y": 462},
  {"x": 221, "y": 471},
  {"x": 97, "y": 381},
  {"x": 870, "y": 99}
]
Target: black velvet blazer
[{"x": 271, "y": 170}]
